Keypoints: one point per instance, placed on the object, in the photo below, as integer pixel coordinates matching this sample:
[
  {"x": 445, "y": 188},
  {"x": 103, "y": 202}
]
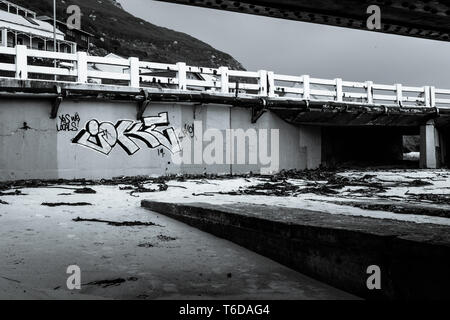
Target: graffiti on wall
[
  {"x": 68, "y": 122},
  {"x": 188, "y": 130},
  {"x": 153, "y": 131}
]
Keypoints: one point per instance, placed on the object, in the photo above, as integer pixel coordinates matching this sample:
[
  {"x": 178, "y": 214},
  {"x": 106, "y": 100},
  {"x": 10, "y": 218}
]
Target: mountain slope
[{"x": 120, "y": 32}]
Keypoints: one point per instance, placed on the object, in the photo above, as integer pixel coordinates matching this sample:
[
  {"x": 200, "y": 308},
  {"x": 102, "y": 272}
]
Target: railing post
[
  {"x": 339, "y": 92},
  {"x": 369, "y": 85},
  {"x": 426, "y": 96},
  {"x": 262, "y": 81},
  {"x": 306, "y": 87},
  {"x": 82, "y": 67},
  {"x": 224, "y": 88},
  {"x": 398, "y": 90},
  {"x": 271, "y": 83},
  {"x": 21, "y": 62},
  {"x": 181, "y": 75},
  {"x": 432, "y": 97},
  {"x": 134, "y": 72}
]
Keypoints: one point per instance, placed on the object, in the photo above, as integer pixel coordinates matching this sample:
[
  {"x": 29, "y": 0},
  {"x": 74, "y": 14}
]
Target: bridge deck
[
  {"x": 414, "y": 18},
  {"x": 77, "y": 75}
]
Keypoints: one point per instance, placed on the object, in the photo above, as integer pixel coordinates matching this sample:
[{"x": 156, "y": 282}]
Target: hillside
[{"x": 120, "y": 32}]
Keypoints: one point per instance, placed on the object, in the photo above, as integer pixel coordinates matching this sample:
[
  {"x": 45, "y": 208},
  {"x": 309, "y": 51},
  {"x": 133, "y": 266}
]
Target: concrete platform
[{"x": 414, "y": 258}]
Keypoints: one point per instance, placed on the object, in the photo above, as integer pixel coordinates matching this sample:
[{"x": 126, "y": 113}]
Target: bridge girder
[{"x": 429, "y": 19}]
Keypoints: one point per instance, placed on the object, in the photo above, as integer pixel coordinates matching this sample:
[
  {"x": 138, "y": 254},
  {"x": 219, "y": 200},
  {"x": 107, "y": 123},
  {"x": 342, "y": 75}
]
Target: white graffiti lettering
[{"x": 104, "y": 136}]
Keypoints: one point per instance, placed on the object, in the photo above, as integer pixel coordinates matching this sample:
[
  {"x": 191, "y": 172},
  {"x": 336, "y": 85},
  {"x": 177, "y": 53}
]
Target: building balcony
[{"x": 11, "y": 38}]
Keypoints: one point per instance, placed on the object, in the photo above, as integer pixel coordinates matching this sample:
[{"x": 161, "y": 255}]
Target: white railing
[{"x": 36, "y": 64}]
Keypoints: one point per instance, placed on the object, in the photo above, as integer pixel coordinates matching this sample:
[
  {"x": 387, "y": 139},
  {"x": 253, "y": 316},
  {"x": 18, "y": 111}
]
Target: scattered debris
[
  {"x": 126, "y": 188},
  {"x": 283, "y": 189},
  {"x": 13, "y": 193},
  {"x": 65, "y": 194},
  {"x": 419, "y": 183},
  {"x": 430, "y": 197},
  {"x": 321, "y": 182},
  {"x": 141, "y": 189},
  {"x": 209, "y": 194},
  {"x": 9, "y": 279},
  {"x": 364, "y": 183},
  {"x": 123, "y": 180},
  {"x": 173, "y": 186},
  {"x": 58, "y": 204},
  {"x": 117, "y": 224},
  {"x": 110, "y": 283},
  {"x": 3, "y": 202},
  {"x": 146, "y": 245},
  {"x": 398, "y": 208},
  {"x": 165, "y": 238},
  {"x": 85, "y": 191}
]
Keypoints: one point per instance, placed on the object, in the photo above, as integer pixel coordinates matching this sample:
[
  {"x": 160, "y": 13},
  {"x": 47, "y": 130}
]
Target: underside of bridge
[
  {"x": 354, "y": 135},
  {"x": 424, "y": 19}
]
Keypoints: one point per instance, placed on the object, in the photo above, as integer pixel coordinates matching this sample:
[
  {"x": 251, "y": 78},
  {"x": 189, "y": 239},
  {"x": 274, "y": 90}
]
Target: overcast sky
[{"x": 295, "y": 48}]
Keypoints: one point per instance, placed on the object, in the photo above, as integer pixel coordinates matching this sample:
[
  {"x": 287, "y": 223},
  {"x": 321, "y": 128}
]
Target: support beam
[
  {"x": 429, "y": 146},
  {"x": 257, "y": 112},
  {"x": 142, "y": 105},
  {"x": 56, "y": 103}
]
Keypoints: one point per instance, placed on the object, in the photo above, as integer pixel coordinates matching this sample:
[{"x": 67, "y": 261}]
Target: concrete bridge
[
  {"x": 415, "y": 18},
  {"x": 95, "y": 117}
]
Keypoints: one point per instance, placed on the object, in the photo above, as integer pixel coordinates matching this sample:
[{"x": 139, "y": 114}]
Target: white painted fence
[{"x": 131, "y": 72}]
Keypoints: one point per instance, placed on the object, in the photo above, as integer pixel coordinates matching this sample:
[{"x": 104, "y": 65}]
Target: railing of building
[
  {"x": 16, "y": 9},
  {"x": 131, "y": 72},
  {"x": 10, "y": 37}
]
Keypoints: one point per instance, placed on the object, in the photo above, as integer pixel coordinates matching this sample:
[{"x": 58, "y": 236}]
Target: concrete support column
[
  {"x": 429, "y": 146},
  {"x": 310, "y": 144}
]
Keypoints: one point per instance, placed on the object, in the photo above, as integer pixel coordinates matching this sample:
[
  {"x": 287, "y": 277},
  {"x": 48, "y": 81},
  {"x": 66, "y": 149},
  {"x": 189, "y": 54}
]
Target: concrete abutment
[
  {"x": 213, "y": 138},
  {"x": 33, "y": 146}
]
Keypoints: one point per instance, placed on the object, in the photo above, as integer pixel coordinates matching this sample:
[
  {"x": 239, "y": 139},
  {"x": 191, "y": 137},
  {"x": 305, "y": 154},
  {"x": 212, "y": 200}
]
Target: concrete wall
[
  {"x": 336, "y": 249},
  {"x": 28, "y": 141},
  {"x": 43, "y": 147}
]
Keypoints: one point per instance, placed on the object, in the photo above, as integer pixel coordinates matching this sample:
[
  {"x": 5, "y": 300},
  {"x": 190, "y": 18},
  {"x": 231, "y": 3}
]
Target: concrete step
[{"x": 414, "y": 259}]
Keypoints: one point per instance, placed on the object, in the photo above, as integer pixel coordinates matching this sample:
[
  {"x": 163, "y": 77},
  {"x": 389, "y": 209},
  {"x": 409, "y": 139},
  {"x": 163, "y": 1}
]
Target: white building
[{"x": 19, "y": 26}]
